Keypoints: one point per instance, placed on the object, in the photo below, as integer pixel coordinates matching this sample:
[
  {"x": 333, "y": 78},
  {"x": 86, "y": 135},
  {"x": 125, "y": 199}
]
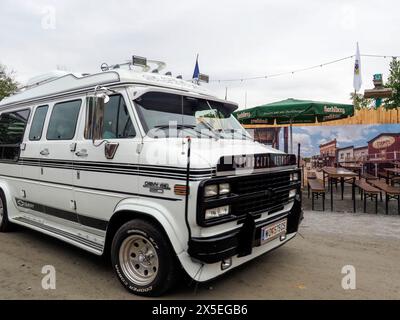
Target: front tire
[
  {"x": 143, "y": 259},
  {"x": 4, "y": 223}
]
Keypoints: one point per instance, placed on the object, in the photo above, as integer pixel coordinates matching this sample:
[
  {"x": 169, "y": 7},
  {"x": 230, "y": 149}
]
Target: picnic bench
[
  {"x": 390, "y": 193},
  {"x": 368, "y": 176},
  {"x": 368, "y": 192},
  {"x": 317, "y": 190}
]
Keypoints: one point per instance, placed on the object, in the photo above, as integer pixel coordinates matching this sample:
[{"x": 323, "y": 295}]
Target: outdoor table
[
  {"x": 343, "y": 175},
  {"x": 354, "y": 168},
  {"x": 391, "y": 172}
]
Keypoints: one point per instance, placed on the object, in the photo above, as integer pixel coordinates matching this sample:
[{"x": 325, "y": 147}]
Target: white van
[{"x": 152, "y": 170}]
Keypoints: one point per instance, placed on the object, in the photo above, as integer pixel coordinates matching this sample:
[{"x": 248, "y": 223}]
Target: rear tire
[
  {"x": 5, "y": 225},
  {"x": 143, "y": 259}
]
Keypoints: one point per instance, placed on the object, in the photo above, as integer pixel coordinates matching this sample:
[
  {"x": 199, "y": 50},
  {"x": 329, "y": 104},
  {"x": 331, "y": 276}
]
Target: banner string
[{"x": 274, "y": 75}]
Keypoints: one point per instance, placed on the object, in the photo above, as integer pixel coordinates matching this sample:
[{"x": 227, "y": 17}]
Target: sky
[
  {"x": 234, "y": 39},
  {"x": 310, "y": 137}
]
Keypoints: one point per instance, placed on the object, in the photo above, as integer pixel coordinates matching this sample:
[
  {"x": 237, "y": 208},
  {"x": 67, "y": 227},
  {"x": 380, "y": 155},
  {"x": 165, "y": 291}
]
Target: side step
[{"x": 96, "y": 248}]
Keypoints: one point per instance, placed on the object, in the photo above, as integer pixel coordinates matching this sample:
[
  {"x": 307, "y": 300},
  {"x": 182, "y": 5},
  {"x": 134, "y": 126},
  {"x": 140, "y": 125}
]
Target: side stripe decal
[
  {"x": 116, "y": 168},
  {"x": 62, "y": 214},
  {"x": 122, "y": 193}
]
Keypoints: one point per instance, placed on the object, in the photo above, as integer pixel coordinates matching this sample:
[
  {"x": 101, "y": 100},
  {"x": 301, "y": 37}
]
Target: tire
[
  {"x": 5, "y": 225},
  {"x": 144, "y": 259}
]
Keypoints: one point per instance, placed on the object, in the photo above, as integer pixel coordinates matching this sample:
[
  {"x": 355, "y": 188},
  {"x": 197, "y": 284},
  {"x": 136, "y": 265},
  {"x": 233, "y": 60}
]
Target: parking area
[{"x": 308, "y": 267}]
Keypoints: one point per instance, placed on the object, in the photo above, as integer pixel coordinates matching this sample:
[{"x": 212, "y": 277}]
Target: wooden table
[
  {"x": 353, "y": 167},
  {"x": 391, "y": 172},
  {"x": 343, "y": 175}
]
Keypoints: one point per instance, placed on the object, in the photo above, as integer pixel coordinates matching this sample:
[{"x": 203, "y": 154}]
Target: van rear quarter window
[{"x": 63, "y": 120}]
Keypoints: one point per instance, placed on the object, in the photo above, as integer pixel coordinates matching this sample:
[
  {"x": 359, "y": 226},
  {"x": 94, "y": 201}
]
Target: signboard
[{"x": 383, "y": 142}]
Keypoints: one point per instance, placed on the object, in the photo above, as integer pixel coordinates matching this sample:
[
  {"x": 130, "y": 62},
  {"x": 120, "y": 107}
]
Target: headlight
[
  {"x": 217, "y": 212},
  {"x": 215, "y": 189},
  {"x": 224, "y": 188},
  {"x": 294, "y": 176},
  {"x": 211, "y": 190}
]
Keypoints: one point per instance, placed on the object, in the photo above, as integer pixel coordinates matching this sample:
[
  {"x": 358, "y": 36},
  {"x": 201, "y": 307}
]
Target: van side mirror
[{"x": 95, "y": 116}]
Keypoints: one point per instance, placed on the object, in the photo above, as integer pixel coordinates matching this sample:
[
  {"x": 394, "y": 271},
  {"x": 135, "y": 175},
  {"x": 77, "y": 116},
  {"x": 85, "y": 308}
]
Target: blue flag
[{"x": 196, "y": 71}]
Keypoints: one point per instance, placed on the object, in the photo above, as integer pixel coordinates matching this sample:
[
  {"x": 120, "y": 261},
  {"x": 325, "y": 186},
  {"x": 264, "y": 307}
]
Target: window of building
[
  {"x": 12, "y": 128},
  {"x": 117, "y": 122},
  {"x": 63, "y": 120},
  {"x": 38, "y": 123}
]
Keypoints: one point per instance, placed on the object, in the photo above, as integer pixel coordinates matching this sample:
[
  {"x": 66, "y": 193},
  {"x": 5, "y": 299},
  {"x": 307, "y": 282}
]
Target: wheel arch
[{"x": 124, "y": 215}]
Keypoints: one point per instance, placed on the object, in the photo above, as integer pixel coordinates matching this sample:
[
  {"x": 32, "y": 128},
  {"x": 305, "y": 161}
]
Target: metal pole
[
  {"x": 291, "y": 136},
  {"x": 189, "y": 141}
]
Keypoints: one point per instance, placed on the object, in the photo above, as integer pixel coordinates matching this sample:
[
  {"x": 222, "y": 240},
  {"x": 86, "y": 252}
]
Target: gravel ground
[{"x": 308, "y": 267}]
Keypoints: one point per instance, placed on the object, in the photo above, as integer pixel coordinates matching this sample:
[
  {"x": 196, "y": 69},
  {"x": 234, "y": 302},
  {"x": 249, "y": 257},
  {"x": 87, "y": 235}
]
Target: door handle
[
  {"x": 45, "y": 152},
  {"x": 81, "y": 153}
]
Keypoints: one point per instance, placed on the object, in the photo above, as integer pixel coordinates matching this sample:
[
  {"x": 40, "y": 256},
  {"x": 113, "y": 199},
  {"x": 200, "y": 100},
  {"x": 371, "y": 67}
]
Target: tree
[
  {"x": 393, "y": 83},
  {"x": 360, "y": 102},
  {"x": 7, "y": 83}
]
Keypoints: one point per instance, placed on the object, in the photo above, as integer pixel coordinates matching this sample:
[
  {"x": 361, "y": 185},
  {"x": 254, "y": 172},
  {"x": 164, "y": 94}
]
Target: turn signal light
[{"x": 181, "y": 190}]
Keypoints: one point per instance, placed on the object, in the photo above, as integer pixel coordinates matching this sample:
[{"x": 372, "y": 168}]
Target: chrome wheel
[{"x": 139, "y": 260}]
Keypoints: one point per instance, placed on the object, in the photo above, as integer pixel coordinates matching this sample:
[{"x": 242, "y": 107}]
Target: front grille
[
  {"x": 254, "y": 194},
  {"x": 272, "y": 193}
]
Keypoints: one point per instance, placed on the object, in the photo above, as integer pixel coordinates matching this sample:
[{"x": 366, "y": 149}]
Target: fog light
[
  {"x": 283, "y": 237},
  {"x": 225, "y": 264},
  {"x": 292, "y": 193}
]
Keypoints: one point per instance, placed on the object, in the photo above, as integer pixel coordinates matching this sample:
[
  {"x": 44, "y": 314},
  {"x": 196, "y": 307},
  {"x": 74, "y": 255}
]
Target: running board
[{"x": 69, "y": 237}]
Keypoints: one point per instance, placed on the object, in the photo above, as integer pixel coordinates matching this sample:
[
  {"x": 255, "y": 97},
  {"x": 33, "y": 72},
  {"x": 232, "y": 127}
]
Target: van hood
[{"x": 205, "y": 153}]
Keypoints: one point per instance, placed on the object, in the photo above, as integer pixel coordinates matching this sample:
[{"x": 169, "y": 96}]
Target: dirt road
[{"x": 308, "y": 267}]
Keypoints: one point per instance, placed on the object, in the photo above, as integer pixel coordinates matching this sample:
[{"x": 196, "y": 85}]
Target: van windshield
[{"x": 168, "y": 115}]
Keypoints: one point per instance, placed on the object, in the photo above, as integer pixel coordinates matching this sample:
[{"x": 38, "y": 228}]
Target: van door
[
  {"x": 106, "y": 171},
  {"x": 30, "y": 188},
  {"x": 56, "y": 156}
]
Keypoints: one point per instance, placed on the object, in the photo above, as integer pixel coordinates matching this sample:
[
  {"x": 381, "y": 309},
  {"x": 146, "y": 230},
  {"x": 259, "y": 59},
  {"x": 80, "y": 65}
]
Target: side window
[
  {"x": 38, "y": 123},
  {"x": 63, "y": 120},
  {"x": 12, "y": 128},
  {"x": 117, "y": 122}
]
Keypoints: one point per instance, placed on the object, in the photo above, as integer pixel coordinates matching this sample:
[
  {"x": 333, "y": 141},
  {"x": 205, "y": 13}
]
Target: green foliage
[
  {"x": 7, "y": 83},
  {"x": 394, "y": 83},
  {"x": 360, "y": 102}
]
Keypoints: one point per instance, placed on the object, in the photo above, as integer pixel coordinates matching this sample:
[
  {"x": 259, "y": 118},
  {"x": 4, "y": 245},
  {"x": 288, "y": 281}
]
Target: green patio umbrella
[{"x": 292, "y": 111}]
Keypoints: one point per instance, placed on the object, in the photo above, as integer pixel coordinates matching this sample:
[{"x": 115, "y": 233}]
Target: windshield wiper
[
  {"x": 183, "y": 127},
  {"x": 178, "y": 126},
  {"x": 235, "y": 131}
]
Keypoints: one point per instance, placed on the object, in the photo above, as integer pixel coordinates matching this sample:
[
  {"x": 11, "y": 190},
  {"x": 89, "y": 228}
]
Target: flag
[
  {"x": 196, "y": 71},
  {"x": 357, "y": 81}
]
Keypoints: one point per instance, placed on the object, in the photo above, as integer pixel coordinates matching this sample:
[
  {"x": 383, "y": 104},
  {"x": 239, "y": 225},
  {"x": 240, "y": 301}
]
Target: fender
[
  {"x": 10, "y": 204},
  {"x": 162, "y": 215}
]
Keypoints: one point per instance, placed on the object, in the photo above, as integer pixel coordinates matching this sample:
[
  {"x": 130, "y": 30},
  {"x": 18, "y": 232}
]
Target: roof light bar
[{"x": 139, "y": 61}]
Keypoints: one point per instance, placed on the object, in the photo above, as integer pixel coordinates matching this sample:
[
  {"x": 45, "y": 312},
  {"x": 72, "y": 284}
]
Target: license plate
[{"x": 272, "y": 231}]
